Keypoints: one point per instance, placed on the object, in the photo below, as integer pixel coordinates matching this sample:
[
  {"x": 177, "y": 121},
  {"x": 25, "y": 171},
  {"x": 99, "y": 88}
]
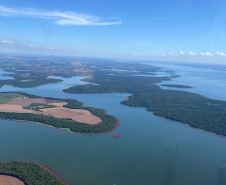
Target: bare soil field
[
  {"x": 15, "y": 108},
  {"x": 9, "y": 180},
  {"x": 78, "y": 115},
  {"x": 28, "y": 101}
]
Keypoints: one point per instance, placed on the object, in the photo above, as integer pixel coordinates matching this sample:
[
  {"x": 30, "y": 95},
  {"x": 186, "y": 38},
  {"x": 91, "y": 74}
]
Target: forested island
[
  {"x": 186, "y": 107},
  {"x": 67, "y": 114},
  {"x": 30, "y": 173}
]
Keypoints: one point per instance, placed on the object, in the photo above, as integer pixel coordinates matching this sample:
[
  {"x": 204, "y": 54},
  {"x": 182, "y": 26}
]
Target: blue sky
[{"x": 178, "y": 30}]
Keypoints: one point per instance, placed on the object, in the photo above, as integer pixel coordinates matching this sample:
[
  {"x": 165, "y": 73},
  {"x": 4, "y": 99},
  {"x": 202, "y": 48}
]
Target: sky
[{"x": 175, "y": 30}]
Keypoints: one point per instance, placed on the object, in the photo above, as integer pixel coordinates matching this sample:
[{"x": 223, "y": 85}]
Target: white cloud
[
  {"x": 51, "y": 48},
  {"x": 136, "y": 54},
  {"x": 191, "y": 53},
  {"x": 31, "y": 46},
  {"x": 171, "y": 53},
  {"x": 60, "y": 18},
  {"x": 181, "y": 52},
  {"x": 6, "y": 41},
  {"x": 206, "y": 54},
  {"x": 220, "y": 53},
  {"x": 37, "y": 46}
]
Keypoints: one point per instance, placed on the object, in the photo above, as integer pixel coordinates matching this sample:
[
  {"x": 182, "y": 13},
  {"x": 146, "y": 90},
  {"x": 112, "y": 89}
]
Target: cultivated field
[
  {"x": 9, "y": 180},
  {"x": 78, "y": 115},
  {"x": 15, "y": 108},
  {"x": 28, "y": 101}
]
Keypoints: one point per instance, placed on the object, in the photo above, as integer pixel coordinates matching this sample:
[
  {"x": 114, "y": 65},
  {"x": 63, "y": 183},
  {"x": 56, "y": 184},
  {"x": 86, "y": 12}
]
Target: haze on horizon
[{"x": 177, "y": 30}]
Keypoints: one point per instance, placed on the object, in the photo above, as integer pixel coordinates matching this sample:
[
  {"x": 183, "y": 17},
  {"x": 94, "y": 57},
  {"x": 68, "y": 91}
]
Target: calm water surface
[
  {"x": 209, "y": 81},
  {"x": 3, "y": 75},
  {"x": 150, "y": 150}
]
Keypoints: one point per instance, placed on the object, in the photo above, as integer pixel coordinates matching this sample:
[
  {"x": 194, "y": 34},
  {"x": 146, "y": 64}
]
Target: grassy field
[{"x": 5, "y": 97}]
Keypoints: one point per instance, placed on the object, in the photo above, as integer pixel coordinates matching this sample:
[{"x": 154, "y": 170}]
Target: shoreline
[
  {"x": 103, "y": 122},
  {"x": 67, "y": 129},
  {"x": 186, "y": 124},
  {"x": 47, "y": 167},
  {"x": 51, "y": 171},
  {"x": 117, "y": 126}
]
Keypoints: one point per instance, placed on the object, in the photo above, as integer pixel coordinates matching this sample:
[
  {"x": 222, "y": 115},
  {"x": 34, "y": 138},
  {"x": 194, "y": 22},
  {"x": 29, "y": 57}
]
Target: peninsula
[
  {"x": 67, "y": 114},
  {"x": 185, "y": 107}
]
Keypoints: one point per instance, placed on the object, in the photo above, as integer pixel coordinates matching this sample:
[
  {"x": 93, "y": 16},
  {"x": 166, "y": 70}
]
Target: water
[
  {"x": 150, "y": 149},
  {"x": 3, "y": 75},
  {"x": 208, "y": 81}
]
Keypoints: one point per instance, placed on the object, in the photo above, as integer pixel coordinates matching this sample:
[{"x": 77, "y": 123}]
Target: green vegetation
[
  {"x": 115, "y": 83},
  {"x": 37, "y": 106},
  {"x": 29, "y": 173},
  {"x": 35, "y": 71},
  {"x": 177, "y": 86},
  {"x": 192, "y": 109},
  {"x": 5, "y": 97},
  {"x": 73, "y": 104},
  {"x": 30, "y": 83},
  {"x": 108, "y": 122}
]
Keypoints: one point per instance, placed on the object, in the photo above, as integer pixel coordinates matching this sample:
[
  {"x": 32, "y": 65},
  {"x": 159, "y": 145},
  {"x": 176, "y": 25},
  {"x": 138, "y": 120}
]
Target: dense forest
[
  {"x": 192, "y": 109},
  {"x": 29, "y": 173}
]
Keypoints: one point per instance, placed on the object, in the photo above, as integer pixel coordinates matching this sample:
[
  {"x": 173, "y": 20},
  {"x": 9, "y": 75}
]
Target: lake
[{"x": 150, "y": 150}]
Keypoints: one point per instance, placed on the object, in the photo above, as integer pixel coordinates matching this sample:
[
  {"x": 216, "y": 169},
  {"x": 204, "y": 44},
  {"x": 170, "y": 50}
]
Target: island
[
  {"x": 67, "y": 114},
  {"x": 192, "y": 109},
  {"x": 27, "y": 173},
  {"x": 107, "y": 76},
  {"x": 177, "y": 86}
]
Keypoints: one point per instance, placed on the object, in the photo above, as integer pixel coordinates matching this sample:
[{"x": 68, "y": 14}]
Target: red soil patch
[{"x": 9, "y": 180}]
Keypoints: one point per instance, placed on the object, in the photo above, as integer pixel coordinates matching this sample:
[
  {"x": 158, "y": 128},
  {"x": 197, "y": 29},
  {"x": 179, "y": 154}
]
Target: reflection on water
[{"x": 150, "y": 149}]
